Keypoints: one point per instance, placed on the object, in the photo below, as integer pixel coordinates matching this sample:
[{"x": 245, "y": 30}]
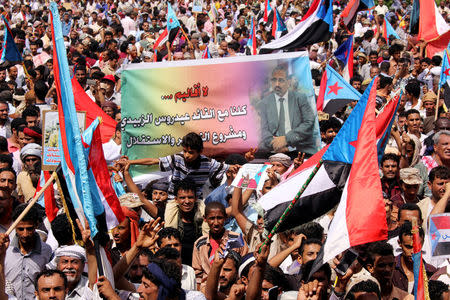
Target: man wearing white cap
[
  {"x": 27, "y": 179},
  {"x": 70, "y": 260}
]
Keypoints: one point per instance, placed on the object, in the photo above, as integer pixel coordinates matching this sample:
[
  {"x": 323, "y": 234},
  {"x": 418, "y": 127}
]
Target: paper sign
[{"x": 251, "y": 176}]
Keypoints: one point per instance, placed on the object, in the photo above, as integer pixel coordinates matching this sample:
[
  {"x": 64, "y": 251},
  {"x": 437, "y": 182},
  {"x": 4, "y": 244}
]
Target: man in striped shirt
[{"x": 190, "y": 163}]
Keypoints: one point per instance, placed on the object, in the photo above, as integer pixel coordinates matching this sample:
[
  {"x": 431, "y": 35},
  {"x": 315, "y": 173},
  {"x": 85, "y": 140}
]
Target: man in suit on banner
[{"x": 287, "y": 118}]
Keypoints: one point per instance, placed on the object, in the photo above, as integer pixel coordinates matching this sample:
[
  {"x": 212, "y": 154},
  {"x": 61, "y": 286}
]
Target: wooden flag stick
[
  {"x": 437, "y": 105},
  {"x": 31, "y": 203},
  {"x": 215, "y": 31},
  {"x": 185, "y": 35}
]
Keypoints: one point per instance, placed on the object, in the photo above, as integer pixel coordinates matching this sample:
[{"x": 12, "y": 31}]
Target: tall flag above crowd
[
  {"x": 345, "y": 55},
  {"x": 267, "y": 9},
  {"x": 445, "y": 69},
  {"x": 9, "y": 54},
  {"x": 278, "y": 26},
  {"x": 388, "y": 31},
  {"x": 251, "y": 43},
  {"x": 89, "y": 187},
  {"x": 171, "y": 30},
  {"x": 316, "y": 26},
  {"x": 361, "y": 201},
  {"x": 325, "y": 188}
]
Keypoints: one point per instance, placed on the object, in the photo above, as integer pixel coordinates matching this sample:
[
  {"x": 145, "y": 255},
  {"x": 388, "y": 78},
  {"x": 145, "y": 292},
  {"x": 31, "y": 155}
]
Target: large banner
[{"x": 264, "y": 101}]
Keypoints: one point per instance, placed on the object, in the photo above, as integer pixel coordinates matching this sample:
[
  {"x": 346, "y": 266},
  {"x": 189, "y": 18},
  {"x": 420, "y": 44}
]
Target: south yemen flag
[
  {"x": 445, "y": 70},
  {"x": 345, "y": 55},
  {"x": 388, "y": 30},
  {"x": 420, "y": 276},
  {"x": 335, "y": 92},
  {"x": 74, "y": 162},
  {"x": 439, "y": 232},
  {"x": 316, "y": 26},
  {"x": 325, "y": 189},
  {"x": 361, "y": 204}
]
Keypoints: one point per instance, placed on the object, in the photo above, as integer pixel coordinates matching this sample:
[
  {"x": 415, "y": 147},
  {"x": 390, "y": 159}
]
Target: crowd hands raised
[{"x": 173, "y": 241}]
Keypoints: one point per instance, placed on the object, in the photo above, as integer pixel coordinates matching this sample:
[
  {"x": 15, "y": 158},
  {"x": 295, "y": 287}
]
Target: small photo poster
[
  {"x": 251, "y": 176},
  {"x": 50, "y": 137},
  {"x": 439, "y": 233},
  {"x": 197, "y": 6}
]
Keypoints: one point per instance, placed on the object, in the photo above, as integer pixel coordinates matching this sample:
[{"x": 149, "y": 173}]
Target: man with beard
[
  {"x": 27, "y": 255},
  {"x": 28, "y": 178},
  {"x": 70, "y": 260},
  {"x": 223, "y": 273},
  {"x": 390, "y": 181}
]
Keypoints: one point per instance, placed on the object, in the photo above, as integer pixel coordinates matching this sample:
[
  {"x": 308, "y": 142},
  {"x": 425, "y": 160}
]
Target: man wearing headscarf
[
  {"x": 28, "y": 178},
  {"x": 125, "y": 234},
  {"x": 166, "y": 277},
  {"x": 280, "y": 163},
  {"x": 410, "y": 157},
  {"x": 71, "y": 260}
]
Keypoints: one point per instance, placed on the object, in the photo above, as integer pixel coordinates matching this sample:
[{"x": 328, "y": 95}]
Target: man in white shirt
[
  {"x": 290, "y": 23},
  {"x": 438, "y": 178},
  {"x": 381, "y": 8},
  {"x": 112, "y": 149},
  {"x": 5, "y": 124},
  {"x": 128, "y": 23}
]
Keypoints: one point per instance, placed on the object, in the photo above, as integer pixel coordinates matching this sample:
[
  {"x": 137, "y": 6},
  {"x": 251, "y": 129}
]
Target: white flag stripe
[
  {"x": 337, "y": 238},
  {"x": 441, "y": 26},
  {"x": 295, "y": 33},
  {"x": 287, "y": 190}
]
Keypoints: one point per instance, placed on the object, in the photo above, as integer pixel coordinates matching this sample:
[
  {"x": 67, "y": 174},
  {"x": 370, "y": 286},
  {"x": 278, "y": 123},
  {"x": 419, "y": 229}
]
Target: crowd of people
[{"x": 181, "y": 237}]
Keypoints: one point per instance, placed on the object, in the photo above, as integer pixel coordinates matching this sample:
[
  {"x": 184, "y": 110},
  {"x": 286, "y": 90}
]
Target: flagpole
[
  {"x": 215, "y": 31},
  {"x": 31, "y": 203},
  {"x": 291, "y": 205},
  {"x": 185, "y": 35},
  {"x": 437, "y": 105}
]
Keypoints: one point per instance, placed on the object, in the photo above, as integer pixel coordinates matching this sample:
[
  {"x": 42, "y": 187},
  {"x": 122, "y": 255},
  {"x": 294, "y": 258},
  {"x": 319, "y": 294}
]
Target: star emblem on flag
[
  {"x": 334, "y": 88},
  {"x": 353, "y": 143},
  {"x": 170, "y": 20},
  {"x": 447, "y": 72},
  {"x": 433, "y": 236}
]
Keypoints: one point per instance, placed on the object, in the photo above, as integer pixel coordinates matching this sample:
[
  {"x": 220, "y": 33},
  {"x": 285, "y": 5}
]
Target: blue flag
[
  {"x": 343, "y": 52},
  {"x": 445, "y": 70},
  {"x": 74, "y": 162},
  {"x": 342, "y": 149},
  {"x": 172, "y": 21},
  {"x": 335, "y": 92},
  {"x": 9, "y": 52}
]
